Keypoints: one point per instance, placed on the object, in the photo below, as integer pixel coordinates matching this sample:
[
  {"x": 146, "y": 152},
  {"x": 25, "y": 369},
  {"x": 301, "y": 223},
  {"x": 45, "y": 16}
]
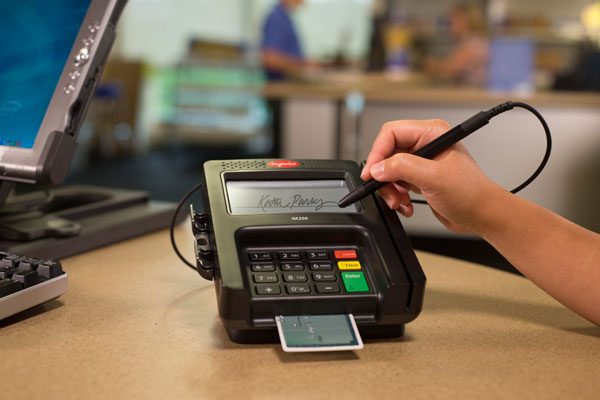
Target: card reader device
[{"x": 276, "y": 243}]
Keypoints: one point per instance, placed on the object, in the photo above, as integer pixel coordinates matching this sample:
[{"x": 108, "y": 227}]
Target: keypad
[{"x": 291, "y": 272}]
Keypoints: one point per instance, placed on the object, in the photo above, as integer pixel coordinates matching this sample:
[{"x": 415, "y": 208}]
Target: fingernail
[
  {"x": 363, "y": 174},
  {"x": 390, "y": 203},
  {"x": 404, "y": 210},
  {"x": 377, "y": 170}
]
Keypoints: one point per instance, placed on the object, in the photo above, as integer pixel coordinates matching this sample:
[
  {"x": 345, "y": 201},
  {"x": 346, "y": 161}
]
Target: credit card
[{"x": 318, "y": 332}]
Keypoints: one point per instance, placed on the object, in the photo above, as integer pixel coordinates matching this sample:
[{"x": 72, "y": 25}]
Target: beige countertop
[
  {"x": 416, "y": 89},
  {"x": 136, "y": 323}
]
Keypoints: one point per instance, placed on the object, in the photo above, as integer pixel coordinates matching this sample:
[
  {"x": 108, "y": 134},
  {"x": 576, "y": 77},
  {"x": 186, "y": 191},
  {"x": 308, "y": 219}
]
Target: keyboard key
[
  {"x": 30, "y": 263},
  {"x": 7, "y": 272},
  {"x": 267, "y": 289},
  {"x": 8, "y": 286},
  {"x": 288, "y": 255},
  {"x": 321, "y": 266},
  {"x": 324, "y": 276},
  {"x": 262, "y": 256},
  {"x": 49, "y": 269},
  {"x": 328, "y": 288},
  {"x": 291, "y": 266},
  {"x": 294, "y": 277},
  {"x": 265, "y": 277},
  {"x": 297, "y": 289},
  {"x": 11, "y": 260},
  {"x": 27, "y": 278},
  {"x": 263, "y": 267},
  {"x": 317, "y": 255}
]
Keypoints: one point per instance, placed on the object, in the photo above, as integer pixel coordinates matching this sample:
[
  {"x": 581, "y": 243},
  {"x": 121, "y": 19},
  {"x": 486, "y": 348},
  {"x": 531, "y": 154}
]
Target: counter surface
[
  {"x": 136, "y": 323},
  {"x": 416, "y": 89}
]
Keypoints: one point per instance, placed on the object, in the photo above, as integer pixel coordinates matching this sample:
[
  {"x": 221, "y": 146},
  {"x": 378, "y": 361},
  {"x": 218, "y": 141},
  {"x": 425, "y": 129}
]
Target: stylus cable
[
  {"x": 509, "y": 105},
  {"x": 456, "y": 134}
]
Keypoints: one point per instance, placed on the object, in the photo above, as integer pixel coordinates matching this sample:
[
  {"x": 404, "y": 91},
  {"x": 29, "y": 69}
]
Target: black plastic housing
[{"x": 396, "y": 280}]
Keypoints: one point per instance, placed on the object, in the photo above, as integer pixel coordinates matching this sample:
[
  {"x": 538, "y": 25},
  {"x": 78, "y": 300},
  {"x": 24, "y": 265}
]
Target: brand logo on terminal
[
  {"x": 299, "y": 218},
  {"x": 283, "y": 164}
]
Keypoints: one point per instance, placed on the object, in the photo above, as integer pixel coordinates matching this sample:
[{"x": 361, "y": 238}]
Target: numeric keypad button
[
  {"x": 294, "y": 277},
  {"x": 260, "y": 256},
  {"x": 268, "y": 289},
  {"x": 269, "y": 267},
  {"x": 324, "y": 276},
  {"x": 292, "y": 266},
  {"x": 321, "y": 266},
  {"x": 288, "y": 255},
  {"x": 265, "y": 277},
  {"x": 317, "y": 255},
  {"x": 328, "y": 288},
  {"x": 297, "y": 289}
]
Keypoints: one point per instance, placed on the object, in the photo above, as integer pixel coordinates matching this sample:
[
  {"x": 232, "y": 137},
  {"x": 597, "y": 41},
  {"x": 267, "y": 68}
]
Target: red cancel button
[
  {"x": 283, "y": 164},
  {"x": 344, "y": 254}
]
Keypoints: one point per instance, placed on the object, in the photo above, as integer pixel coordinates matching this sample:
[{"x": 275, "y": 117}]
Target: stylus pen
[{"x": 430, "y": 150}]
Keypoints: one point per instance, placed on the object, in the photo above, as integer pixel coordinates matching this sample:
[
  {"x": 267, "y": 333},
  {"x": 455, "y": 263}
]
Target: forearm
[{"x": 559, "y": 256}]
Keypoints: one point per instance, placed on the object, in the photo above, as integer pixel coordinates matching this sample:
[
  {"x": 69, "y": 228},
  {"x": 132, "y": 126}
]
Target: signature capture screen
[{"x": 279, "y": 197}]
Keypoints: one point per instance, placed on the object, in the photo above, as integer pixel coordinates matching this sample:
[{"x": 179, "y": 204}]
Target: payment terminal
[{"x": 276, "y": 244}]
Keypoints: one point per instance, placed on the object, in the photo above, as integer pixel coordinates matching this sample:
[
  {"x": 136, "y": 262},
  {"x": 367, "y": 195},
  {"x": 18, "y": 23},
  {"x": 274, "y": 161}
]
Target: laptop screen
[{"x": 37, "y": 37}]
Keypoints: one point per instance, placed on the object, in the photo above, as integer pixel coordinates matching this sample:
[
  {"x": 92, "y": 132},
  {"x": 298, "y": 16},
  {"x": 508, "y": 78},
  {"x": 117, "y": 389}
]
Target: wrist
[{"x": 492, "y": 209}]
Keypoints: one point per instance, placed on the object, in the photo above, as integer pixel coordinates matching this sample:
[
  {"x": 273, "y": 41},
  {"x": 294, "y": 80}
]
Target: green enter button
[{"x": 355, "y": 282}]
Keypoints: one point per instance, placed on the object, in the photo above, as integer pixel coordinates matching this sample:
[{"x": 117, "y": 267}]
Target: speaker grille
[{"x": 244, "y": 164}]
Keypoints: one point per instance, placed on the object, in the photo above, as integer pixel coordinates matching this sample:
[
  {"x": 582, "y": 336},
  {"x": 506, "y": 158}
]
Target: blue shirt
[{"x": 279, "y": 34}]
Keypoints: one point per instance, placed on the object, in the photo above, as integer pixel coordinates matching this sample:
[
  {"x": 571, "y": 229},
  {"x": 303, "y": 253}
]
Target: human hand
[{"x": 457, "y": 191}]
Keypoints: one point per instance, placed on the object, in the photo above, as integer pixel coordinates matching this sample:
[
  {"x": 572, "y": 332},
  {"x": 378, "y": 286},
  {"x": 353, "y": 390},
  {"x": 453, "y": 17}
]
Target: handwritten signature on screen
[{"x": 297, "y": 201}]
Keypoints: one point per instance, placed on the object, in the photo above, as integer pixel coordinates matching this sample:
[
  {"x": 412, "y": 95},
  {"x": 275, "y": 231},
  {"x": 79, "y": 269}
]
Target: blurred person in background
[
  {"x": 281, "y": 52},
  {"x": 468, "y": 63}
]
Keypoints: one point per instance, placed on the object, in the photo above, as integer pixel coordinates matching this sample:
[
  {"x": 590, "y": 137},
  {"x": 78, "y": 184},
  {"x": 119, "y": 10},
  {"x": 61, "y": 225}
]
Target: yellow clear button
[{"x": 349, "y": 265}]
